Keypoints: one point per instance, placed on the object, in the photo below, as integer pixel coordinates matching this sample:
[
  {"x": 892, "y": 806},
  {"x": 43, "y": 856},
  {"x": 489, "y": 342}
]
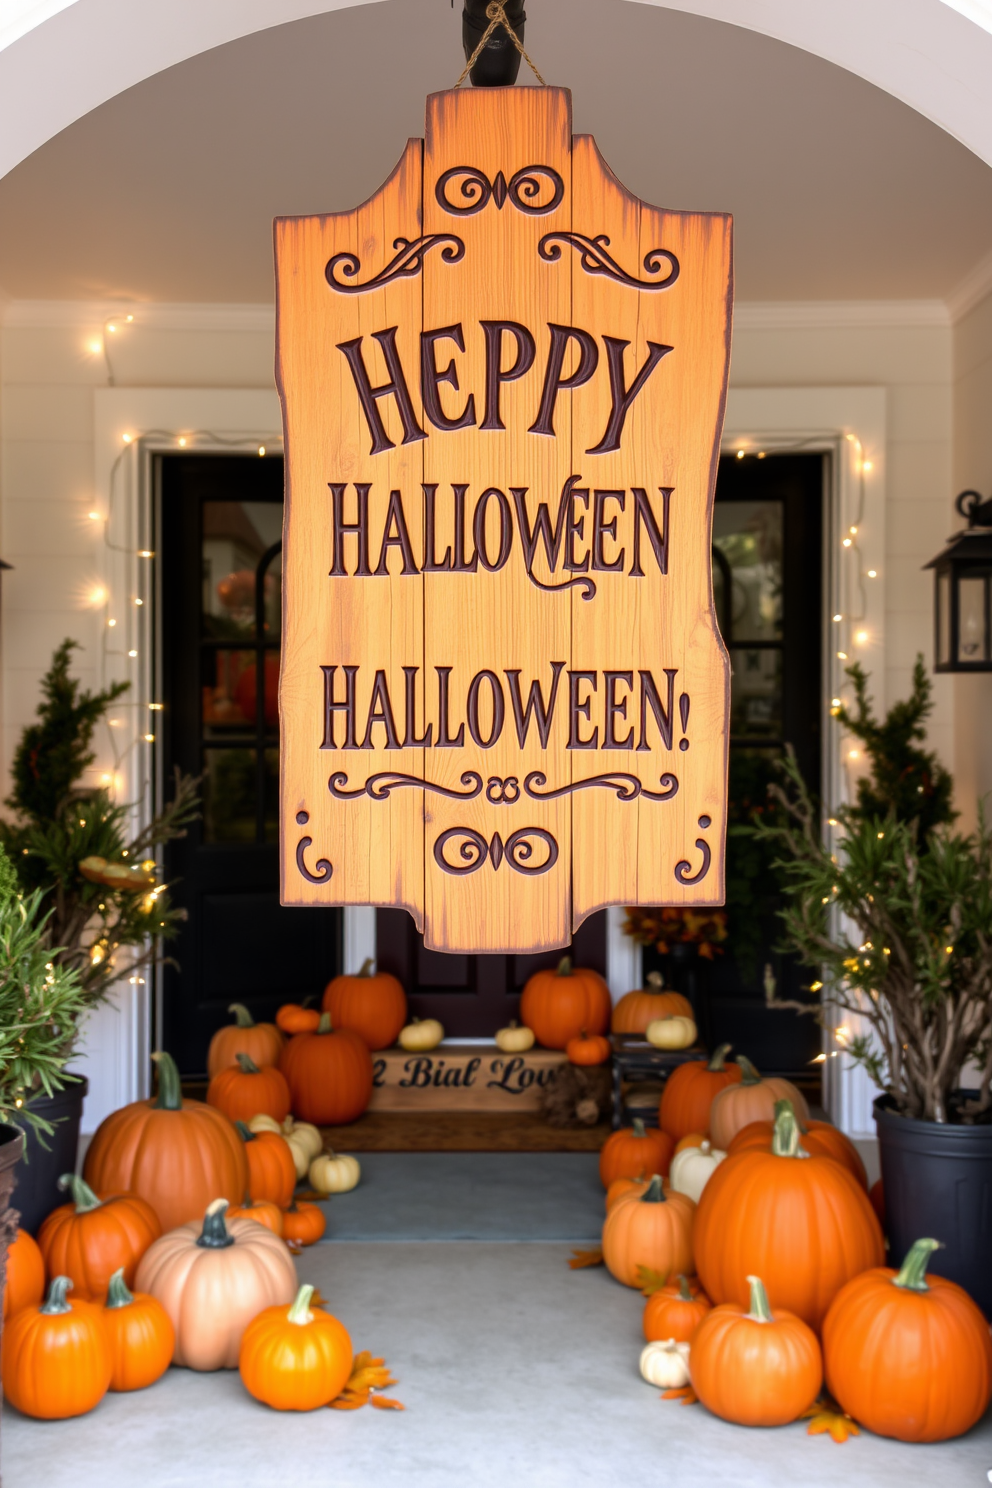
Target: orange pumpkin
[
  {"x": 243, "y": 1090},
  {"x": 295, "y": 1358},
  {"x": 140, "y": 1336},
  {"x": 25, "y": 1285},
  {"x": 262, "y": 1211},
  {"x": 271, "y": 1169},
  {"x": 634, "y": 1150},
  {"x": 303, "y": 1223},
  {"x": 371, "y": 1004},
  {"x": 802, "y": 1223},
  {"x": 908, "y": 1355},
  {"x": 751, "y": 1099},
  {"x": 636, "y": 1010},
  {"x": 694, "y": 1139},
  {"x": 559, "y": 1004},
  {"x": 588, "y": 1048},
  {"x": 651, "y": 1230},
  {"x": 818, "y": 1138},
  {"x": 56, "y": 1359},
  {"x": 262, "y": 1042},
  {"x": 620, "y": 1187},
  {"x": 674, "y": 1311},
  {"x": 329, "y": 1074},
  {"x": 89, "y": 1239},
  {"x": 292, "y": 1017},
  {"x": 690, "y": 1091},
  {"x": 755, "y": 1367},
  {"x": 176, "y": 1154}
]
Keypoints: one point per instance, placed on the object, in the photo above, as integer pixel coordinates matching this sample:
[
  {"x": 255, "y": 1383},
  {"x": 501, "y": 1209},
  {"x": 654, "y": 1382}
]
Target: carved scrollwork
[
  {"x": 627, "y": 787},
  {"x": 501, "y": 792},
  {"x": 523, "y": 190},
  {"x": 379, "y": 786},
  {"x": 683, "y": 870},
  {"x": 406, "y": 263},
  {"x": 324, "y": 868},
  {"x": 596, "y": 260},
  {"x": 516, "y": 851}
]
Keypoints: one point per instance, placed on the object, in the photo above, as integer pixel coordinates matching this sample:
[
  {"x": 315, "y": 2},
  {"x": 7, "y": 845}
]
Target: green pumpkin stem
[
  {"x": 248, "y": 1065},
  {"x": 786, "y": 1105},
  {"x": 56, "y": 1302},
  {"x": 785, "y": 1137},
  {"x": 117, "y": 1292},
  {"x": 242, "y": 1017},
  {"x": 214, "y": 1235},
  {"x": 300, "y": 1312},
  {"x": 913, "y": 1272},
  {"x": 324, "y": 1026},
  {"x": 761, "y": 1311},
  {"x": 82, "y": 1195},
  {"x": 638, "y": 1126},
  {"x": 684, "y": 1293},
  {"x": 245, "y": 1132},
  {"x": 170, "y": 1091},
  {"x": 751, "y": 1076},
  {"x": 654, "y": 1194},
  {"x": 564, "y": 966},
  {"x": 366, "y": 971},
  {"x": 717, "y": 1062}
]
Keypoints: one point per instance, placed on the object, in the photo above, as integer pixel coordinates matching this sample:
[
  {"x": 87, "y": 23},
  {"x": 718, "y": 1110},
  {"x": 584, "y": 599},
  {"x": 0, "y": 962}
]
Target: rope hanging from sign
[{"x": 496, "y": 13}]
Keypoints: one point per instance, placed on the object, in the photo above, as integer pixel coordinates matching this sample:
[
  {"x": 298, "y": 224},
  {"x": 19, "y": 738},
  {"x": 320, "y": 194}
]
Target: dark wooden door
[{"x": 221, "y": 522}]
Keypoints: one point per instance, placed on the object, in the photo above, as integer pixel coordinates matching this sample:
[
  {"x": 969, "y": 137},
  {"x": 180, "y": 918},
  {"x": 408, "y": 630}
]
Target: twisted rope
[{"x": 496, "y": 13}]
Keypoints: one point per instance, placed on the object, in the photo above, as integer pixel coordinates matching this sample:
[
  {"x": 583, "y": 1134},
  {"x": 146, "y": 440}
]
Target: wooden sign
[
  {"x": 463, "y": 1077},
  {"x": 504, "y": 698}
]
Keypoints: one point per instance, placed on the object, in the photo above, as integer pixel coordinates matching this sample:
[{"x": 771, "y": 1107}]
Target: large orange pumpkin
[
  {"x": 329, "y": 1074},
  {"x": 89, "y": 1239},
  {"x": 755, "y": 1367},
  {"x": 242, "y": 1091},
  {"x": 177, "y": 1154},
  {"x": 690, "y": 1091},
  {"x": 803, "y": 1224},
  {"x": 908, "y": 1355},
  {"x": 818, "y": 1138},
  {"x": 652, "y": 1230},
  {"x": 295, "y": 1358},
  {"x": 371, "y": 1004},
  {"x": 271, "y": 1169},
  {"x": 559, "y": 1005},
  {"x": 635, "y": 1152},
  {"x": 674, "y": 1311},
  {"x": 56, "y": 1360},
  {"x": 262, "y": 1042},
  {"x": 25, "y": 1285},
  {"x": 140, "y": 1336},
  {"x": 620, "y": 1187},
  {"x": 636, "y": 1010},
  {"x": 752, "y": 1098}
]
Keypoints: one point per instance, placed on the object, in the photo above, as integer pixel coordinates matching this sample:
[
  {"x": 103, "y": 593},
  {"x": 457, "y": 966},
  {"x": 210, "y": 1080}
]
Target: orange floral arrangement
[{"x": 704, "y": 928}]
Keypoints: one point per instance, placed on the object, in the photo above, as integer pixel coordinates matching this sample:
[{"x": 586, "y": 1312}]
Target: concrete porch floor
[{"x": 513, "y": 1369}]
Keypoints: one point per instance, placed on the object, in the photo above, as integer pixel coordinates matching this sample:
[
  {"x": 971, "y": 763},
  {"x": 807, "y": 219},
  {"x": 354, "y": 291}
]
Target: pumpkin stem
[
  {"x": 717, "y": 1061},
  {"x": 639, "y": 1127},
  {"x": 684, "y": 1293},
  {"x": 214, "y": 1235},
  {"x": 82, "y": 1195},
  {"x": 913, "y": 1273},
  {"x": 654, "y": 1193},
  {"x": 657, "y": 981},
  {"x": 245, "y": 1132},
  {"x": 242, "y": 1017},
  {"x": 366, "y": 971},
  {"x": 324, "y": 1026},
  {"x": 786, "y": 1104},
  {"x": 761, "y": 1311},
  {"x": 55, "y": 1302},
  {"x": 785, "y": 1137},
  {"x": 751, "y": 1076},
  {"x": 706, "y": 1146},
  {"x": 248, "y": 1065},
  {"x": 300, "y": 1312},
  {"x": 564, "y": 966},
  {"x": 117, "y": 1292},
  {"x": 170, "y": 1092}
]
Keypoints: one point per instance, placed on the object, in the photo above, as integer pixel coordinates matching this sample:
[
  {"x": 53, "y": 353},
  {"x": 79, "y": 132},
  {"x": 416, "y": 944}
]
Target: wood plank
[{"x": 462, "y": 1077}]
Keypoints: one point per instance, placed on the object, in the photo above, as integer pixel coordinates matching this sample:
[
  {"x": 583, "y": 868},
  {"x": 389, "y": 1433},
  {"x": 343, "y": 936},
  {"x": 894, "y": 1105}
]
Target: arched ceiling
[{"x": 166, "y": 191}]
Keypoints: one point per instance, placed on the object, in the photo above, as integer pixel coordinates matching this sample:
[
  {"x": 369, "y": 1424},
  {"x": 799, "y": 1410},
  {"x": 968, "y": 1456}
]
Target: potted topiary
[{"x": 897, "y": 919}]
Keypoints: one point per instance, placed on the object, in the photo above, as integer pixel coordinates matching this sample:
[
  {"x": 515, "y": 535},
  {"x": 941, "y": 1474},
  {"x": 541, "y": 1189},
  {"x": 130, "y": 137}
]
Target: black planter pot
[
  {"x": 39, "y": 1171},
  {"x": 938, "y": 1183}
]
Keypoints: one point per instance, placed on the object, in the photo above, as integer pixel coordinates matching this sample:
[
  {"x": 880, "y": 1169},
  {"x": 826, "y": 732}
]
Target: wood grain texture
[
  {"x": 463, "y": 1078},
  {"x": 521, "y": 290}
]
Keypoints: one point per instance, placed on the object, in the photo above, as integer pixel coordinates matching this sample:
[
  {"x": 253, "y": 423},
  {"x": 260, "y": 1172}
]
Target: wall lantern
[{"x": 963, "y": 592}]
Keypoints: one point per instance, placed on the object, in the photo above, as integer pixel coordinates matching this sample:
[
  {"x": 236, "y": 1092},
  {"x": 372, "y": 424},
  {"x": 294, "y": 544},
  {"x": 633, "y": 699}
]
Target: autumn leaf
[
  {"x": 686, "y": 1394},
  {"x": 825, "y": 1417},
  {"x": 348, "y": 1401},
  {"x": 368, "y": 1374},
  {"x": 650, "y": 1281},
  {"x": 386, "y": 1402},
  {"x": 581, "y": 1258}
]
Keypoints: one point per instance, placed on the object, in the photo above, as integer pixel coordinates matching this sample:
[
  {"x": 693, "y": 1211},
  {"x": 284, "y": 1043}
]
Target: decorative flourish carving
[
  {"x": 406, "y": 263},
  {"x": 595, "y": 260},
  {"x": 324, "y": 868},
  {"x": 501, "y": 792},
  {"x": 516, "y": 851},
  {"x": 682, "y": 870},
  {"x": 523, "y": 189},
  {"x": 627, "y": 787},
  {"x": 378, "y": 787}
]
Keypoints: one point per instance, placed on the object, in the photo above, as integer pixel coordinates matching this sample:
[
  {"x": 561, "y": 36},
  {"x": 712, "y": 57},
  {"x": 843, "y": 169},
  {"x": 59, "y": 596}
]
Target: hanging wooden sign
[{"x": 504, "y": 698}]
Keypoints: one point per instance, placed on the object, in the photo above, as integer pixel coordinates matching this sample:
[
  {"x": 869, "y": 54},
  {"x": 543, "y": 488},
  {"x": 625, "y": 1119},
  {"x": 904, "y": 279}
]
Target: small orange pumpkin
[
  {"x": 636, "y": 1010},
  {"x": 262, "y": 1211},
  {"x": 25, "y": 1284},
  {"x": 652, "y": 1230},
  {"x": 690, "y": 1091},
  {"x": 371, "y": 1004},
  {"x": 262, "y": 1042},
  {"x": 751, "y": 1099},
  {"x": 88, "y": 1239},
  {"x": 329, "y": 1074},
  {"x": 588, "y": 1048},
  {"x": 140, "y": 1336},
  {"x": 634, "y": 1150},
  {"x": 694, "y": 1139},
  {"x": 271, "y": 1169},
  {"x": 294, "y": 1017},
  {"x": 303, "y": 1223},
  {"x": 559, "y": 1004},
  {"x": 675, "y": 1311},
  {"x": 56, "y": 1360},
  {"x": 620, "y": 1187},
  {"x": 753, "y": 1367},
  {"x": 243, "y": 1090},
  {"x": 818, "y": 1138},
  {"x": 295, "y": 1358}
]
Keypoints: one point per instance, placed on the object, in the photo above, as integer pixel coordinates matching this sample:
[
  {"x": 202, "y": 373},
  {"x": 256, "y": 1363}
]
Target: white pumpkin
[
  {"x": 305, "y": 1133},
  {"x": 263, "y": 1123},
  {"x": 665, "y": 1364},
  {"x": 301, "y": 1153},
  {"x": 515, "y": 1039},
  {"x": 332, "y": 1173},
  {"x": 675, "y": 1032},
  {"x": 693, "y": 1167},
  {"x": 417, "y": 1037}
]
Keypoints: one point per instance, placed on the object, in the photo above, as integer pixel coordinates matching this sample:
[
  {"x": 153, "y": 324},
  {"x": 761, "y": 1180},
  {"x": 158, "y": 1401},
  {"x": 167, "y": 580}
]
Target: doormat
[{"x": 461, "y": 1131}]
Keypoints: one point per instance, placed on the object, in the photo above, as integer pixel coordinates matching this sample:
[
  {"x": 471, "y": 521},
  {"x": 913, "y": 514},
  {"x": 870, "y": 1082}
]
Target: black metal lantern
[{"x": 963, "y": 592}]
